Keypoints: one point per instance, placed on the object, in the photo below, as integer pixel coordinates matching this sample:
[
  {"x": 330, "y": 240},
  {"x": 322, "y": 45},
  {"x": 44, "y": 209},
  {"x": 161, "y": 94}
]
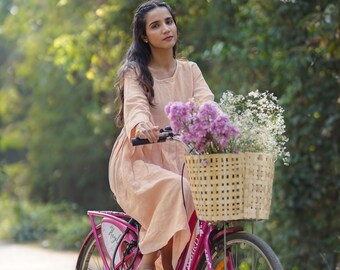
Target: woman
[{"x": 146, "y": 179}]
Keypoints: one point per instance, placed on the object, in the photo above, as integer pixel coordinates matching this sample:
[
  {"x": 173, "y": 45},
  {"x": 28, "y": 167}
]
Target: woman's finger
[{"x": 147, "y": 131}]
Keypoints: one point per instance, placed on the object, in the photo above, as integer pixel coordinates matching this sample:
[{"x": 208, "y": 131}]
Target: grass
[{"x": 59, "y": 226}]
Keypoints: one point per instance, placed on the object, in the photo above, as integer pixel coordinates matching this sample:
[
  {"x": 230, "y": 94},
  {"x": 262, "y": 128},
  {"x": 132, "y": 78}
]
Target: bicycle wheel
[
  {"x": 243, "y": 252},
  {"x": 89, "y": 258}
]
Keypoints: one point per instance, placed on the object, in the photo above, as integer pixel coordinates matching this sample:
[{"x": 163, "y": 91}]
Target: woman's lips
[{"x": 169, "y": 38}]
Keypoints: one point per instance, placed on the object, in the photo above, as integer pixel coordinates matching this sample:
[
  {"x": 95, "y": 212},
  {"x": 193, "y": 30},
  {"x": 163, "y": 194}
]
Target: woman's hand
[{"x": 146, "y": 130}]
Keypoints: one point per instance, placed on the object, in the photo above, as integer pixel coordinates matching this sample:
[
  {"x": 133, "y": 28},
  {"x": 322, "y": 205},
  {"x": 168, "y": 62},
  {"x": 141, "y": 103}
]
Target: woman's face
[{"x": 160, "y": 28}]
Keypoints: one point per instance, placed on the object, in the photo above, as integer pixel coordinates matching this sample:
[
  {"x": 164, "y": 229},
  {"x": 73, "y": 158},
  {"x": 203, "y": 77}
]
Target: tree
[{"x": 66, "y": 146}]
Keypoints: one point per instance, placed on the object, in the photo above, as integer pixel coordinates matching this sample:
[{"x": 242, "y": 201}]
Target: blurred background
[{"x": 58, "y": 61}]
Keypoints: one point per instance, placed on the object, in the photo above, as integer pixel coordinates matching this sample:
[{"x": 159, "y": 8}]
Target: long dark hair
[{"x": 138, "y": 57}]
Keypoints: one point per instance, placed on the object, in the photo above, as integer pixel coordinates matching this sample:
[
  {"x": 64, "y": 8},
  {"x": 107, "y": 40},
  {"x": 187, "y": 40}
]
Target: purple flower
[
  {"x": 223, "y": 130},
  {"x": 205, "y": 127},
  {"x": 208, "y": 110},
  {"x": 179, "y": 114}
]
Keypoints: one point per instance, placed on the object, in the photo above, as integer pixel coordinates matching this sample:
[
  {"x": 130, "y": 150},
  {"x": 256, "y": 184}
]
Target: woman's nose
[{"x": 165, "y": 29}]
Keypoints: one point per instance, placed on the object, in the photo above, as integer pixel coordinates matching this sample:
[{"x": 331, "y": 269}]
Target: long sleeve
[{"x": 136, "y": 105}]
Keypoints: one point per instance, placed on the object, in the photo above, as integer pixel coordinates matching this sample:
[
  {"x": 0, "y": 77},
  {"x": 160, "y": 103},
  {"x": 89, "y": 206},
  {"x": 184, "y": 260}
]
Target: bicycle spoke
[
  {"x": 243, "y": 252},
  {"x": 95, "y": 262},
  {"x": 247, "y": 257}
]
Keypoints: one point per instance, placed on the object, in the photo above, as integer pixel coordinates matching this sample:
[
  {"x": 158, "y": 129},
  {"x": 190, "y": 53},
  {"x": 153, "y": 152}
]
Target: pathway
[{"x": 31, "y": 257}]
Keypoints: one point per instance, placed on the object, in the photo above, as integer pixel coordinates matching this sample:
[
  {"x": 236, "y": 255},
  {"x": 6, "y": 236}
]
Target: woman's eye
[
  {"x": 154, "y": 26},
  {"x": 169, "y": 21}
]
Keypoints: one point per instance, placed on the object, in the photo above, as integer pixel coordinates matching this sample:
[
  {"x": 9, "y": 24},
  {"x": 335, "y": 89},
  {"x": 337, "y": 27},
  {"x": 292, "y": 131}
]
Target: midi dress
[{"x": 146, "y": 180}]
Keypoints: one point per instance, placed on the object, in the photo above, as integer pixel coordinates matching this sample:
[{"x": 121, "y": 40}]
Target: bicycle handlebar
[{"x": 164, "y": 134}]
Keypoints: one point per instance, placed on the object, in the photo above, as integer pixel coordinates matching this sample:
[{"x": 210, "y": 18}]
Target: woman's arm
[
  {"x": 137, "y": 116},
  {"x": 136, "y": 106}
]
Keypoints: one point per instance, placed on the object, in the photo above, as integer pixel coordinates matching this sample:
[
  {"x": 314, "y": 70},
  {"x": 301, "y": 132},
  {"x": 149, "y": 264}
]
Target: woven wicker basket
[{"x": 231, "y": 187}]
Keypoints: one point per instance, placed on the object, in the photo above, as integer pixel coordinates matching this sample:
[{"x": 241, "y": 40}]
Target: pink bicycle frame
[
  {"x": 115, "y": 218},
  {"x": 201, "y": 244}
]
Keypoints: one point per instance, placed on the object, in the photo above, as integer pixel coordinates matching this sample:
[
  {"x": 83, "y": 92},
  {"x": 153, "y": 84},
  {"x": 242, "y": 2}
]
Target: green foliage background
[{"x": 58, "y": 61}]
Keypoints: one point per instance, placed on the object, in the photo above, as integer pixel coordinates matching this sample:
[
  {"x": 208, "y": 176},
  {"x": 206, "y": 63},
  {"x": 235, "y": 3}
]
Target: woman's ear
[{"x": 145, "y": 39}]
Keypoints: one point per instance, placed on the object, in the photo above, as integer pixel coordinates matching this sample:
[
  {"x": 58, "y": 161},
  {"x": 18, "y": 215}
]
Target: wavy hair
[{"x": 138, "y": 57}]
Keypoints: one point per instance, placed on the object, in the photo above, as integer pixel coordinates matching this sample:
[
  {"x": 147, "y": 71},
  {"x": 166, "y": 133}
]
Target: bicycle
[{"x": 112, "y": 243}]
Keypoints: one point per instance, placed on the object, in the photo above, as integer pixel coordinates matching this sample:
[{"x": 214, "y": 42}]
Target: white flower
[{"x": 260, "y": 121}]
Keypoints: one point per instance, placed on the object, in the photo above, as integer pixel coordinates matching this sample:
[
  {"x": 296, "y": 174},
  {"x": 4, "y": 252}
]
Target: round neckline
[{"x": 165, "y": 79}]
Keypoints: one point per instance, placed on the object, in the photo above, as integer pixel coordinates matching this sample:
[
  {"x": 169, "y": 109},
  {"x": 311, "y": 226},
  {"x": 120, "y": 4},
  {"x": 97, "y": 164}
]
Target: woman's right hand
[{"x": 145, "y": 130}]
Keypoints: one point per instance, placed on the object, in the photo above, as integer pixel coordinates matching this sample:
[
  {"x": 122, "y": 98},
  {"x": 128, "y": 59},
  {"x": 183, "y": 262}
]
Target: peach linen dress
[{"x": 146, "y": 180}]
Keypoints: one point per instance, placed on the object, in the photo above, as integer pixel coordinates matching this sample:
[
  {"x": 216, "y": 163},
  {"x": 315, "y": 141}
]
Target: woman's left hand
[{"x": 146, "y": 130}]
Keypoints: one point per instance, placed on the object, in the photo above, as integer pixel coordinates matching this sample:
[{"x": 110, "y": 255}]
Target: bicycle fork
[
  {"x": 227, "y": 262},
  {"x": 201, "y": 241}
]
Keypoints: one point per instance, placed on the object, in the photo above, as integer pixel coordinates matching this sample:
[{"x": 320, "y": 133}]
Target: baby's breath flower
[{"x": 259, "y": 119}]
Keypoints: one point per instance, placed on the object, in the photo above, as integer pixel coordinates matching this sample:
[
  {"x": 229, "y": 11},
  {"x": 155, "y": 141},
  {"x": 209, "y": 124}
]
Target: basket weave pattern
[{"x": 231, "y": 186}]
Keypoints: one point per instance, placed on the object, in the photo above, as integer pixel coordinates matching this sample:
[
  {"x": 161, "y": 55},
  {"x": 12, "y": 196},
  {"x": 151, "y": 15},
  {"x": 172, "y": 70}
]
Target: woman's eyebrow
[
  {"x": 153, "y": 23},
  {"x": 166, "y": 18}
]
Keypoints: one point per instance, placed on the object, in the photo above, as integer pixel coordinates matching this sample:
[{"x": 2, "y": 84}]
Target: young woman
[{"x": 146, "y": 179}]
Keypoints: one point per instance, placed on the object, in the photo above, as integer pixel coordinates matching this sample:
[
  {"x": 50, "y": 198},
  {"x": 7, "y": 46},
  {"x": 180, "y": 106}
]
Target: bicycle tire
[
  {"x": 248, "y": 251},
  {"x": 89, "y": 257}
]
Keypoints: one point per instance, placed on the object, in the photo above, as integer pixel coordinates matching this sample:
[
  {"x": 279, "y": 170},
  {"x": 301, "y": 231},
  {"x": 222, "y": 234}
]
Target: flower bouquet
[
  {"x": 234, "y": 146},
  {"x": 203, "y": 127}
]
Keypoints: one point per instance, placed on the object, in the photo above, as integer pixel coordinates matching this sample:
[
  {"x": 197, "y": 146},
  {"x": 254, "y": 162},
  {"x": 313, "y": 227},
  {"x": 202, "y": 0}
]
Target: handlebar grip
[{"x": 137, "y": 141}]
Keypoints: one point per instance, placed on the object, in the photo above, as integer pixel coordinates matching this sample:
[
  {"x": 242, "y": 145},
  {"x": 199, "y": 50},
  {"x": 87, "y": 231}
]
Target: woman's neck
[{"x": 162, "y": 60}]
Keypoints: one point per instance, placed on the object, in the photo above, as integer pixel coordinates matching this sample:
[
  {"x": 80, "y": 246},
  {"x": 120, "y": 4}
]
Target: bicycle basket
[{"x": 231, "y": 186}]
